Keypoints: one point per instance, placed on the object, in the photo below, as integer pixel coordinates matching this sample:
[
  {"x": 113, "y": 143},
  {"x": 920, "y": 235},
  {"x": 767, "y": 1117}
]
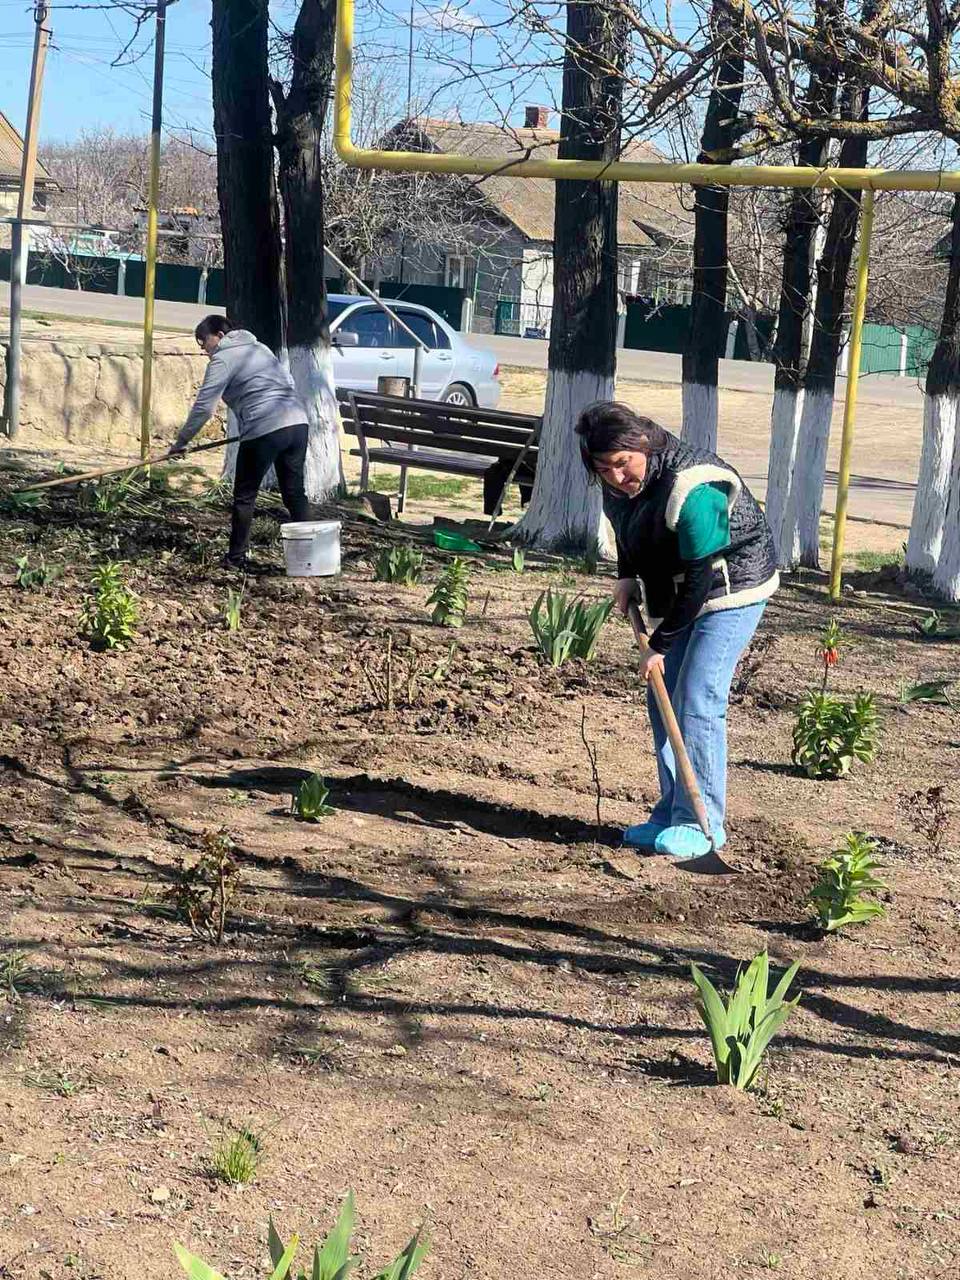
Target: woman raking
[
  {"x": 690, "y": 533},
  {"x": 271, "y": 422}
]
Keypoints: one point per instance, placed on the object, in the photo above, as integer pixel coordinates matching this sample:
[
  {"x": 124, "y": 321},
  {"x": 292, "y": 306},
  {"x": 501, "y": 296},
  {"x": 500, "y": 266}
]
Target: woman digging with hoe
[
  {"x": 693, "y": 536},
  {"x": 271, "y": 422}
]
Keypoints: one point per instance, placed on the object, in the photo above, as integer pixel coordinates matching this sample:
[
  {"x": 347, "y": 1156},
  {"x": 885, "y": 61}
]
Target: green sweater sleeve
[{"x": 704, "y": 525}]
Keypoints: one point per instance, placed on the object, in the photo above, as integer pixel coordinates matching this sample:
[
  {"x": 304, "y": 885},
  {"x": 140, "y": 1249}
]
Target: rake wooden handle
[
  {"x": 684, "y": 768},
  {"x": 127, "y": 466}
]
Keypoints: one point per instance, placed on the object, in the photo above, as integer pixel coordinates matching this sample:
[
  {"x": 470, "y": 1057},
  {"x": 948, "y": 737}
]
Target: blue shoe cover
[
  {"x": 643, "y": 835},
  {"x": 687, "y": 842}
]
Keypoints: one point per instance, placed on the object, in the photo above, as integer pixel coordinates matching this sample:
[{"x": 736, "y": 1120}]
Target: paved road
[{"x": 530, "y": 353}]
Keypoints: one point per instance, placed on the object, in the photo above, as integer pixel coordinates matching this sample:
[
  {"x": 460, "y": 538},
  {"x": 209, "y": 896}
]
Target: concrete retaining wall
[{"x": 89, "y": 393}]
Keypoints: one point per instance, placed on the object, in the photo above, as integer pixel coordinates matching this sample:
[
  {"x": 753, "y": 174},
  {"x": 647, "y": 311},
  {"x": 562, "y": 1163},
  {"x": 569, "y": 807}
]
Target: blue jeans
[{"x": 697, "y": 671}]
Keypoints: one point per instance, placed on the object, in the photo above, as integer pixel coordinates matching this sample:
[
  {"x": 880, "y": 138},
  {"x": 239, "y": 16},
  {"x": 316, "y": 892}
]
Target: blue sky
[{"x": 82, "y": 89}]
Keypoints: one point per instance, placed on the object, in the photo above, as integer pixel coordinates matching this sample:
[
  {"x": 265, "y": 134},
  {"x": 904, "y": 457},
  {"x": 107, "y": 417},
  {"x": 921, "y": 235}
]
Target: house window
[{"x": 459, "y": 272}]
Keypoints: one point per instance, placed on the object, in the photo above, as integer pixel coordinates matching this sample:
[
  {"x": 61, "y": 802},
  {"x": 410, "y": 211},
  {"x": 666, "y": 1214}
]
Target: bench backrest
[{"x": 432, "y": 424}]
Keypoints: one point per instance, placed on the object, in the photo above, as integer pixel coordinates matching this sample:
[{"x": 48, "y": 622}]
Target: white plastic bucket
[{"x": 311, "y": 548}]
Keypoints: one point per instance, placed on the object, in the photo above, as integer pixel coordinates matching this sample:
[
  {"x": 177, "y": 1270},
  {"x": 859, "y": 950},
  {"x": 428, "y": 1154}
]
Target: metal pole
[
  {"x": 150, "y": 275},
  {"x": 28, "y": 170},
  {"x": 850, "y": 403}
]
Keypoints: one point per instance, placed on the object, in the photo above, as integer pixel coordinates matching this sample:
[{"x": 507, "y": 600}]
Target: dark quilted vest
[{"x": 648, "y": 549}]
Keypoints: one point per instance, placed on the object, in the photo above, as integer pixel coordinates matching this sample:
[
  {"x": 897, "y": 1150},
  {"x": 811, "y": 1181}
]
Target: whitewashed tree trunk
[
  {"x": 932, "y": 547},
  {"x": 801, "y": 530},
  {"x": 784, "y": 434},
  {"x": 565, "y": 508},
  {"x": 700, "y": 414},
  {"x": 230, "y": 457},
  {"x": 230, "y": 453},
  {"x": 933, "y": 482},
  {"x": 946, "y": 575},
  {"x": 312, "y": 371}
]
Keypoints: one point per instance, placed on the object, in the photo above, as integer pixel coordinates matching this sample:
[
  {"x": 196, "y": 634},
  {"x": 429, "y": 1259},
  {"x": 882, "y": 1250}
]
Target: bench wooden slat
[
  {"x": 401, "y": 414},
  {"x": 437, "y": 408},
  {"x": 428, "y": 461},
  {"x": 435, "y": 428},
  {"x": 434, "y": 440}
]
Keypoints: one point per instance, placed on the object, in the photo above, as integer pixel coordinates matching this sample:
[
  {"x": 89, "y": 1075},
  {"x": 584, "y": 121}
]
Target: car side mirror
[{"x": 345, "y": 338}]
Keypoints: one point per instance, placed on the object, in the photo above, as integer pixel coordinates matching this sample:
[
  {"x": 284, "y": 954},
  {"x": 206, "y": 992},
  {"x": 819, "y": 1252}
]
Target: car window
[
  {"x": 372, "y": 326},
  {"x": 425, "y": 329}
]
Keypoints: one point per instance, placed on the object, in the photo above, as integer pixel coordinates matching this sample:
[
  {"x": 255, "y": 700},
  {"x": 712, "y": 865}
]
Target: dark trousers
[{"x": 286, "y": 450}]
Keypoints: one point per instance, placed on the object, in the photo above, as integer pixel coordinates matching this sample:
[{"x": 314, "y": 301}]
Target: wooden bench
[{"x": 487, "y": 444}]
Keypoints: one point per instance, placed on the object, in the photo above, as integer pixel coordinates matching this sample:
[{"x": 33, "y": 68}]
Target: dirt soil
[{"x": 453, "y": 994}]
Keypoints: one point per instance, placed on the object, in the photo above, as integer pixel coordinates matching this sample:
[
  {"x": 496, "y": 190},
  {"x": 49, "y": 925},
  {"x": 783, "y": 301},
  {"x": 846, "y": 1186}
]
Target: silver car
[{"x": 368, "y": 345}]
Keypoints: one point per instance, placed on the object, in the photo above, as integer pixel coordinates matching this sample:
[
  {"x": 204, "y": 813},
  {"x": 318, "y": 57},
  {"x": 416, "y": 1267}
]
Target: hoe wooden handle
[
  {"x": 127, "y": 466},
  {"x": 684, "y": 768}
]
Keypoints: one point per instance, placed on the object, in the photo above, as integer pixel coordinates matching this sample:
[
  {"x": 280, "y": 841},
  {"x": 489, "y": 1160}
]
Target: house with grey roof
[{"x": 504, "y": 259}]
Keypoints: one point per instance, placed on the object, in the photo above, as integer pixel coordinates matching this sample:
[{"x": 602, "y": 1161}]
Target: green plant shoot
[
  {"x": 449, "y": 596},
  {"x": 565, "y": 628},
  {"x": 519, "y": 559},
  {"x": 30, "y": 579},
  {"x": 109, "y": 614},
  {"x": 844, "y": 878},
  {"x": 310, "y": 800},
  {"x": 231, "y": 612},
  {"x": 332, "y": 1260},
  {"x": 741, "y": 1028},
  {"x": 403, "y": 565}
]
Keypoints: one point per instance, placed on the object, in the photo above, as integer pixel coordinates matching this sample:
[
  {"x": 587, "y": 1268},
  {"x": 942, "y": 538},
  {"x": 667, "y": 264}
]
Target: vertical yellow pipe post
[
  {"x": 850, "y": 403},
  {"x": 153, "y": 196}
]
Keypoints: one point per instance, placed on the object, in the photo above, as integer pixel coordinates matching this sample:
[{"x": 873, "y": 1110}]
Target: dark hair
[
  {"x": 212, "y": 324},
  {"x": 608, "y": 426}
]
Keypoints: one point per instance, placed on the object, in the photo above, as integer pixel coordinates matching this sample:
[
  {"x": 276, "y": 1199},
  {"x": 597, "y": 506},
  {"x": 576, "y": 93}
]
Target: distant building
[
  {"x": 508, "y": 267},
  {"x": 11, "y": 162}
]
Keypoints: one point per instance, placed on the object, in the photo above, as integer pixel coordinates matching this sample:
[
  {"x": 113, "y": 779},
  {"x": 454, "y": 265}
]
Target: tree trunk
[
  {"x": 300, "y": 119},
  {"x": 801, "y": 523},
  {"x": 245, "y": 182},
  {"x": 246, "y": 189},
  {"x": 942, "y": 396},
  {"x": 565, "y": 509},
  {"x": 792, "y": 346},
  {"x": 708, "y": 307}
]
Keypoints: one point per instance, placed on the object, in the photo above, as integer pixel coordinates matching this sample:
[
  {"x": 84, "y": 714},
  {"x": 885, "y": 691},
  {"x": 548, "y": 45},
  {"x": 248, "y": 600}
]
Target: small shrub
[
  {"x": 310, "y": 801},
  {"x": 231, "y": 610},
  {"x": 332, "y": 1260},
  {"x": 109, "y": 614},
  {"x": 202, "y": 894},
  {"x": 403, "y": 564},
  {"x": 449, "y": 597},
  {"x": 844, "y": 877},
  {"x": 741, "y": 1028},
  {"x": 831, "y": 733},
  {"x": 565, "y": 628},
  {"x": 237, "y": 1157},
  {"x": 29, "y": 579}
]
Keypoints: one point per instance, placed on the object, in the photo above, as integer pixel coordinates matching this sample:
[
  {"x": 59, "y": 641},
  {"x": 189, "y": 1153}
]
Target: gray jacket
[{"x": 252, "y": 382}]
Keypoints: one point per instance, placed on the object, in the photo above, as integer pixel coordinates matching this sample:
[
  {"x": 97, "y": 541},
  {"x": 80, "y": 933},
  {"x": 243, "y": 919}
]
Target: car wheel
[{"x": 460, "y": 395}]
